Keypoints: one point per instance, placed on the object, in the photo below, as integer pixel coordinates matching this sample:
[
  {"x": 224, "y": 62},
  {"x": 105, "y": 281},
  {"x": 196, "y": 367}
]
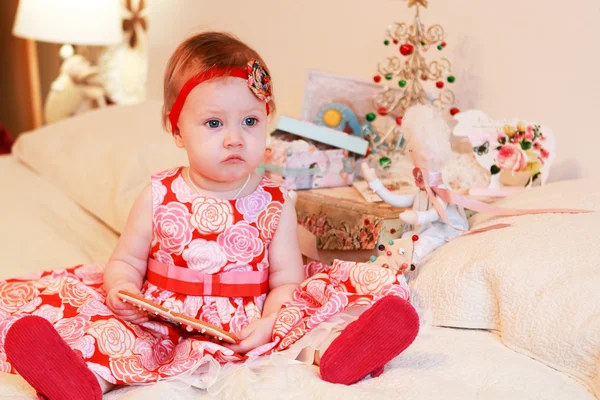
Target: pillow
[
  {"x": 535, "y": 282},
  {"x": 102, "y": 159}
]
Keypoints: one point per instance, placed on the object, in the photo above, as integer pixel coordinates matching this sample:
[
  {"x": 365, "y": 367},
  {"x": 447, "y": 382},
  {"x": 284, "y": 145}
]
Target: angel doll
[{"x": 427, "y": 139}]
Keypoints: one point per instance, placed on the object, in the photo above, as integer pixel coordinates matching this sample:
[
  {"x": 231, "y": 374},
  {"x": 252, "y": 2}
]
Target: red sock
[
  {"x": 46, "y": 361},
  {"x": 367, "y": 344}
]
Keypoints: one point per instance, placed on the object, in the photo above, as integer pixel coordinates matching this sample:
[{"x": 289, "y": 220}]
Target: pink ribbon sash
[
  {"x": 195, "y": 283},
  {"x": 434, "y": 180}
]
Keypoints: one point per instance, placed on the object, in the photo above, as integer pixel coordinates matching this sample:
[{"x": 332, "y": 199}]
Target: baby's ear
[{"x": 177, "y": 138}]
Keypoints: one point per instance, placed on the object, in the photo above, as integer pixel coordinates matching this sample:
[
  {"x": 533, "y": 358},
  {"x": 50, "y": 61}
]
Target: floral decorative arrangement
[
  {"x": 516, "y": 153},
  {"x": 520, "y": 148}
]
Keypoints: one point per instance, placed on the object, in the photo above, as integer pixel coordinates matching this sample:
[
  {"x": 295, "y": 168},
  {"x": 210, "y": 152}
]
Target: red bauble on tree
[{"x": 407, "y": 49}]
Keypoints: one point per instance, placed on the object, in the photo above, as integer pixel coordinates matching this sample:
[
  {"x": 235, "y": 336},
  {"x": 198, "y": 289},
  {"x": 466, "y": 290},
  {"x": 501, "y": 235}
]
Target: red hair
[{"x": 200, "y": 53}]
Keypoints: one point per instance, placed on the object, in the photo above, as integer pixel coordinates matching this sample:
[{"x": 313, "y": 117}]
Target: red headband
[{"x": 259, "y": 81}]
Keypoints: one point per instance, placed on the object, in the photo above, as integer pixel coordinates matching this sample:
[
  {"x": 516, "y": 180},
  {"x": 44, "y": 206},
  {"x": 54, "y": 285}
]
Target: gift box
[{"x": 302, "y": 155}]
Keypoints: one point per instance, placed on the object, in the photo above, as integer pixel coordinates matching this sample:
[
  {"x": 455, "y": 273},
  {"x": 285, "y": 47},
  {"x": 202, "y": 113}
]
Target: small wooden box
[{"x": 344, "y": 224}]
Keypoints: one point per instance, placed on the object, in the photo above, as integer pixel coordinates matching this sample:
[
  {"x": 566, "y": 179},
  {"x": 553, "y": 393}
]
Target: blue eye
[
  {"x": 250, "y": 121},
  {"x": 214, "y": 123}
]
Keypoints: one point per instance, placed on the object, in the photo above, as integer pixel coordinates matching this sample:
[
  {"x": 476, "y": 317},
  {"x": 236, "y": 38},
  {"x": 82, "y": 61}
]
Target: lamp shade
[{"x": 84, "y": 22}]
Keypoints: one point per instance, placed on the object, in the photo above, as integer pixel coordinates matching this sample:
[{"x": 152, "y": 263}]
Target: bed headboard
[{"x": 531, "y": 59}]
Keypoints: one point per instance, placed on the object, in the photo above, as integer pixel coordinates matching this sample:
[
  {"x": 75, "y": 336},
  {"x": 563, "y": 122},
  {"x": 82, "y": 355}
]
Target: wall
[{"x": 532, "y": 59}]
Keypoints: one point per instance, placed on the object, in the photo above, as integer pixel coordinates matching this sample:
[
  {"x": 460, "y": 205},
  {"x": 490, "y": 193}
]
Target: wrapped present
[{"x": 301, "y": 155}]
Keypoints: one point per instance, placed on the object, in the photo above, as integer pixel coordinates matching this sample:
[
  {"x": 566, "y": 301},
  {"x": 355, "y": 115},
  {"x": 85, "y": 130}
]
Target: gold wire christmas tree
[{"x": 408, "y": 72}]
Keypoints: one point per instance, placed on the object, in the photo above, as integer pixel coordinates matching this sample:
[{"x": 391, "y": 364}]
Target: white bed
[
  {"x": 512, "y": 314},
  {"x": 68, "y": 186}
]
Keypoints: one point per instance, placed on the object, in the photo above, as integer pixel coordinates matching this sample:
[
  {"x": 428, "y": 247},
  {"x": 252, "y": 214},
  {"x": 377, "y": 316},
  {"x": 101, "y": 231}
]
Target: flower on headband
[{"x": 259, "y": 80}]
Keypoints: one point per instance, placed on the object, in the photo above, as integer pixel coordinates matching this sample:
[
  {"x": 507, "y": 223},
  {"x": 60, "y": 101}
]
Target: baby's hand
[
  {"x": 122, "y": 310},
  {"x": 254, "y": 335}
]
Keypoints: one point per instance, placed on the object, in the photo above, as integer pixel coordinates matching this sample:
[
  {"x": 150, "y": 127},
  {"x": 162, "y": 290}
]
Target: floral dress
[{"x": 209, "y": 260}]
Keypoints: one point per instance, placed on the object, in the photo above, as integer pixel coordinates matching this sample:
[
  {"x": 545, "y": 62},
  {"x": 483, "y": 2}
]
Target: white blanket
[
  {"x": 537, "y": 282},
  {"x": 443, "y": 363}
]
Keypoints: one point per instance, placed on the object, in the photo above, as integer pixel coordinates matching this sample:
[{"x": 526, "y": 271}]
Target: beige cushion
[
  {"x": 535, "y": 282},
  {"x": 102, "y": 159}
]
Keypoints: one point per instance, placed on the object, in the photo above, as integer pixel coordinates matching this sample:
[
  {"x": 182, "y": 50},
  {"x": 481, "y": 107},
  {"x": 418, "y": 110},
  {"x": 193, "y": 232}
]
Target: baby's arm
[
  {"x": 285, "y": 259},
  {"x": 126, "y": 268},
  {"x": 286, "y": 273}
]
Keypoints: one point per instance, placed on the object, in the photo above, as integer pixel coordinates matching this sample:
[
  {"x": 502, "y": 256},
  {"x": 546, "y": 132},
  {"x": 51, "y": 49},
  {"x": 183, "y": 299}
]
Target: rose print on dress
[
  {"x": 163, "y": 257},
  {"x": 14, "y": 296},
  {"x": 268, "y": 220},
  {"x": 252, "y": 205},
  {"x": 211, "y": 215},
  {"x": 159, "y": 192},
  {"x": 204, "y": 256},
  {"x": 240, "y": 242},
  {"x": 172, "y": 227},
  {"x": 130, "y": 370},
  {"x": 114, "y": 339},
  {"x": 371, "y": 278},
  {"x": 50, "y": 313},
  {"x": 183, "y": 193}
]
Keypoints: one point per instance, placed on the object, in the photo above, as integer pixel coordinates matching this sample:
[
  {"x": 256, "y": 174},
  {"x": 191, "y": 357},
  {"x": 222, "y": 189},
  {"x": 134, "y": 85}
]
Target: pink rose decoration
[
  {"x": 370, "y": 278},
  {"x": 163, "y": 257},
  {"x": 305, "y": 300},
  {"x": 192, "y": 304},
  {"x": 85, "y": 345},
  {"x": 164, "y": 351},
  {"x": 336, "y": 303},
  {"x": 131, "y": 370},
  {"x": 72, "y": 329},
  {"x": 252, "y": 312},
  {"x": 172, "y": 227},
  {"x": 15, "y": 296},
  {"x": 341, "y": 270},
  {"x": 237, "y": 268},
  {"x": 545, "y": 153},
  {"x": 182, "y": 191},
  {"x": 94, "y": 307},
  {"x": 74, "y": 293},
  {"x": 90, "y": 274},
  {"x": 159, "y": 191},
  {"x": 211, "y": 215},
  {"x": 102, "y": 372},
  {"x": 211, "y": 315},
  {"x": 113, "y": 338},
  {"x": 239, "y": 321},
  {"x": 240, "y": 242},
  {"x": 144, "y": 349},
  {"x": 316, "y": 288},
  {"x": 291, "y": 338},
  {"x": 512, "y": 158},
  {"x": 268, "y": 220},
  {"x": 264, "y": 263},
  {"x": 165, "y": 174},
  {"x": 50, "y": 313},
  {"x": 252, "y": 205},
  {"x": 400, "y": 289},
  {"x": 225, "y": 309},
  {"x": 204, "y": 256},
  {"x": 529, "y": 135},
  {"x": 287, "y": 319},
  {"x": 4, "y": 364}
]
